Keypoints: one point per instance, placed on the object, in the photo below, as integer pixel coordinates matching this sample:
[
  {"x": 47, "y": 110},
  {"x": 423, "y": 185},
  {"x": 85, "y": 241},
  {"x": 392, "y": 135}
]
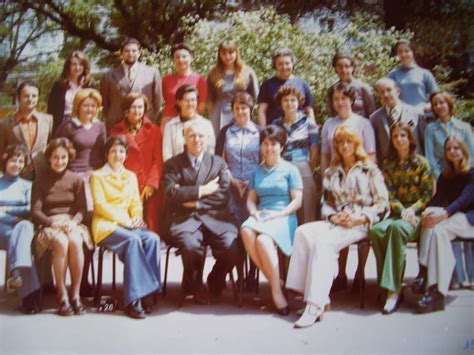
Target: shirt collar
[
  {"x": 397, "y": 109},
  {"x": 192, "y": 158},
  {"x": 22, "y": 119},
  {"x": 108, "y": 169},
  {"x": 249, "y": 127},
  {"x": 77, "y": 122}
]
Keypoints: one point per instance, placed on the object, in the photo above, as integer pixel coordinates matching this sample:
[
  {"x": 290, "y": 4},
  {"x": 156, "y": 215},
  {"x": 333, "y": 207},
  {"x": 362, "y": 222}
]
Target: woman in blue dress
[
  {"x": 16, "y": 231},
  {"x": 275, "y": 194}
]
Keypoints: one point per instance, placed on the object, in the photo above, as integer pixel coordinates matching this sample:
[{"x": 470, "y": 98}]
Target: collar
[
  {"x": 413, "y": 65},
  {"x": 397, "y": 109},
  {"x": 77, "y": 122},
  {"x": 107, "y": 169},
  {"x": 249, "y": 127},
  {"x": 134, "y": 66},
  {"x": 192, "y": 158},
  {"x": 300, "y": 116},
  {"x": 23, "y": 119}
]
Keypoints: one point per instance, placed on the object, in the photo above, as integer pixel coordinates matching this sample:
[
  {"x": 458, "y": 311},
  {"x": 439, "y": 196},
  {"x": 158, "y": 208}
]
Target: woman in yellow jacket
[{"x": 117, "y": 225}]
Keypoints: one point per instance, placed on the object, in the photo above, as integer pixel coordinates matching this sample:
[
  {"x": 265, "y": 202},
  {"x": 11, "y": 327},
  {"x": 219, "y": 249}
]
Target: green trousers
[{"x": 389, "y": 241}]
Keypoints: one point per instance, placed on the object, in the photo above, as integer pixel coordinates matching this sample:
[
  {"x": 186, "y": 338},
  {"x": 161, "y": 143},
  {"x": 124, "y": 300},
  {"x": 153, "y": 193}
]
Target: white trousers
[
  {"x": 436, "y": 252},
  {"x": 313, "y": 264}
]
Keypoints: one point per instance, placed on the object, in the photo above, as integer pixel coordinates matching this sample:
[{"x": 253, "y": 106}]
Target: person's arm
[
  {"x": 135, "y": 208},
  {"x": 368, "y": 137},
  {"x": 396, "y": 206},
  {"x": 252, "y": 87},
  {"x": 262, "y": 114},
  {"x": 466, "y": 198},
  {"x": 211, "y": 94},
  {"x": 368, "y": 98},
  {"x": 167, "y": 142},
  {"x": 252, "y": 202},
  {"x": 211, "y": 138},
  {"x": 430, "y": 151},
  {"x": 313, "y": 133},
  {"x": 37, "y": 215},
  {"x": 328, "y": 206},
  {"x": 175, "y": 192},
  {"x": 221, "y": 141},
  {"x": 102, "y": 206},
  {"x": 156, "y": 170},
  {"x": 425, "y": 187},
  {"x": 309, "y": 103},
  {"x": 380, "y": 206},
  {"x": 20, "y": 211},
  {"x": 80, "y": 204},
  {"x": 157, "y": 94}
]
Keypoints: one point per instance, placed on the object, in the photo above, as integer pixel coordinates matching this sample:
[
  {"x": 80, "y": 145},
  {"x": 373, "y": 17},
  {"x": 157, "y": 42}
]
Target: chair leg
[
  {"x": 362, "y": 262},
  {"x": 6, "y": 272},
  {"x": 99, "y": 277},
  {"x": 93, "y": 268},
  {"x": 114, "y": 266},
  {"x": 165, "y": 282}
]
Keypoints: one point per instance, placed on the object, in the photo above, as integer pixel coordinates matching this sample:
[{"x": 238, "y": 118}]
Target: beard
[{"x": 130, "y": 62}]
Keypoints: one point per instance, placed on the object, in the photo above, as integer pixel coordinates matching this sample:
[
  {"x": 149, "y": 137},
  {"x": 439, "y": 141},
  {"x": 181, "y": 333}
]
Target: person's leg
[
  {"x": 459, "y": 276},
  {"x": 60, "y": 246},
  {"x": 192, "y": 251},
  {"x": 249, "y": 238},
  {"x": 268, "y": 256},
  {"x": 469, "y": 259},
  {"x": 76, "y": 262},
  {"x": 151, "y": 246},
  {"x": 138, "y": 278},
  {"x": 377, "y": 235}
]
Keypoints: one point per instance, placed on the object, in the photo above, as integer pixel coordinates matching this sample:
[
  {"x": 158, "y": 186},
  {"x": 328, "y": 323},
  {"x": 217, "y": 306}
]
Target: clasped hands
[
  {"x": 240, "y": 185},
  {"x": 431, "y": 217},
  {"x": 408, "y": 214},
  {"x": 348, "y": 219},
  {"x": 64, "y": 226},
  {"x": 204, "y": 190},
  {"x": 266, "y": 215},
  {"x": 136, "y": 223}
]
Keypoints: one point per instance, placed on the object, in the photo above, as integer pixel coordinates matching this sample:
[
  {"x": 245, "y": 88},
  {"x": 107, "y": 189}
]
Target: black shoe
[
  {"x": 215, "y": 287},
  {"x": 392, "y": 308},
  {"x": 148, "y": 303},
  {"x": 430, "y": 302},
  {"x": 30, "y": 303},
  {"x": 135, "y": 310},
  {"x": 339, "y": 284},
  {"x": 78, "y": 307},
  {"x": 283, "y": 311},
  {"x": 419, "y": 285}
]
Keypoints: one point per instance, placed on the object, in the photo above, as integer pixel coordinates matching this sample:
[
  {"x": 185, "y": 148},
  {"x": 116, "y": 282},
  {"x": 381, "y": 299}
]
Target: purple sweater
[{"x": 89, "y": 144}]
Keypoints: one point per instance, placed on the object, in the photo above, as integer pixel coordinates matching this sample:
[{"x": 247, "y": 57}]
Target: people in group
[
  {"x": 76, "y": 75},
  {"x": 275, "y": 195},
  {"x": 394, "y": 110},
  {"x": 450, "y": 214},
  {"x": 416, "y": 83},
  {"x": 355, "y": 197},
  {"x": 29, "y": 127},
  {"x": 197, "y": 184},
  {"x": 238, "y": 144},
  {"x": 118, "y": 226},
  {"x": 58, "y": 207},
  {"x": 302, "y": 146},
  {"x": 144, "y": 156},
  {"x": 229, "y": 76},
  {"x": 16, "y": 231},
  {"x": 130, "y": 76},
  {"x": 410, "y": 185},
  {"x": 283, "y": 62},
  {"x": 187, "y": 97},
  {"x": 364, "y": 103},
  {"x": 182, "y": 57}
]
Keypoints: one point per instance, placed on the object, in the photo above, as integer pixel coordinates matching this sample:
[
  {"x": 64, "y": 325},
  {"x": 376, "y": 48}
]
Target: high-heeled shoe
[
  {"x": 13, "y": 283},
  {"x": 283, "y": 311},
  {"x": 78, "y": 307},
  {"x": 65, "y": 309},
  {"x": 311, "y": 314},
  {"x": 392, "y": 304}
]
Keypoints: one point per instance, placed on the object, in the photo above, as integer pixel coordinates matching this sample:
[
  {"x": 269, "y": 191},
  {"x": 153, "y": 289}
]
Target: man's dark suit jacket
[{"x": 181, "y": 183}]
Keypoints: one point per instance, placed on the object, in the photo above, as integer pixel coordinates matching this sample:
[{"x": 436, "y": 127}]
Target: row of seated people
[
  {"x": 306, "y": 142},
  {"x": 196, "y": 184}
]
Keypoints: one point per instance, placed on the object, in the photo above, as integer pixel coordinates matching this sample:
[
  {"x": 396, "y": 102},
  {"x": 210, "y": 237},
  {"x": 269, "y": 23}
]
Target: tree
[{"x": 20, "y": 30}]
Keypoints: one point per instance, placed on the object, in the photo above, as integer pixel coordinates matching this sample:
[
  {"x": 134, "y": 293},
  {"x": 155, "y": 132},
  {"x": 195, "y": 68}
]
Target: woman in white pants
[
  {"x": 355, "y": 197},
  {"x": 450, "y": 214}
]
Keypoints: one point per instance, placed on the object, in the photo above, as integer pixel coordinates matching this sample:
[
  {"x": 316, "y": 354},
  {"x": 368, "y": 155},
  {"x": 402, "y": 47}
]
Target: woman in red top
[{"x": 144, "y": 153}]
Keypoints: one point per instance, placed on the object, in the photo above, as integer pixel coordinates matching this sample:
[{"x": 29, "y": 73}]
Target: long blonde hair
[
  {"x": 450, "y": 169},
  {"x": 346, "y": 132},
  {"x": 241, "y": 76}
]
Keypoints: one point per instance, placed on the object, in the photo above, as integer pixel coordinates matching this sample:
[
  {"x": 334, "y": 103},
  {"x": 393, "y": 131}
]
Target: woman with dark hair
[
  {"x": 275, "y": 194},
  {"x": 182, "y": 57},
  {"x": 416, "y": 83},
  {"x": 144, "y": 156},
  {"x": 187, "y": 97},
  {"x": 354, "y": 198},
  {"x": 410, "y": 186},
  {"x": 117, "y": 225},
  {"x": 302, "y": 145},
  {"x": 364, "y": 103},
  {"x": 16, "y": 231},
  {"x": 75, "y": 76},
  {"x": 450, "y": 214},
  {"x": 229, "y": 76},
  {"x": 58, "y": 207}
]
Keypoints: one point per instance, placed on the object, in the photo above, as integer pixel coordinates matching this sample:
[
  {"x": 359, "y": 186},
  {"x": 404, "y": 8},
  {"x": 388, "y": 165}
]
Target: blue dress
[{"x": 273, "y": 188}]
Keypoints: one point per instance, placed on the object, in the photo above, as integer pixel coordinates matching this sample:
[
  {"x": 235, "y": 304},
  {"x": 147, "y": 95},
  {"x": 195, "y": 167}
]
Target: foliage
[{"x": 259, "y": 33}]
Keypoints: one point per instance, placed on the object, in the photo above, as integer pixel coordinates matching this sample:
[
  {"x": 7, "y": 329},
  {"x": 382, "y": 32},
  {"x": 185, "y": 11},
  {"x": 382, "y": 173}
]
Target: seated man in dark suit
[{"x": 197, "y": 191}]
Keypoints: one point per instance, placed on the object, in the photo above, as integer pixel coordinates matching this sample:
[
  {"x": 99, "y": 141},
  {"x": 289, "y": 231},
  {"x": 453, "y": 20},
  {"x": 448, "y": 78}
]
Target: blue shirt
[
  {"x": 15, "y": 195},
  {"x": 435, "y": 136},
  {"x": 269, "y": 90},
  {"x": 303, "y": 135},
  {"x": 416, "y": 84}
]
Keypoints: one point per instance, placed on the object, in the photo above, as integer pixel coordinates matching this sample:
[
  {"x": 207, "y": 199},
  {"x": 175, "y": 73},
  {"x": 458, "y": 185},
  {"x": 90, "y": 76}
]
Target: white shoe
[
  {"x": 311, "y": 314},
  {"x": 13, "y": 283}
]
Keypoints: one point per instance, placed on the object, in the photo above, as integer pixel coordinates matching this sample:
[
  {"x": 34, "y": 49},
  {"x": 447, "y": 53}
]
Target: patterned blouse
[
  {"x": 410, "y": 184},
  {"x": 360, "y": 191}
]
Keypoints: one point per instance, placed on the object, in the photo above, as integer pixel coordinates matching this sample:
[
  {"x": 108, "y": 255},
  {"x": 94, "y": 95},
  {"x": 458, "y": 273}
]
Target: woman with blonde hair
[
  {"x": 450, "y": 214},
  {"x": 74, "y": 76},
  {"x": 229, "y": 76},
  {"x": 354, "y": 198}
]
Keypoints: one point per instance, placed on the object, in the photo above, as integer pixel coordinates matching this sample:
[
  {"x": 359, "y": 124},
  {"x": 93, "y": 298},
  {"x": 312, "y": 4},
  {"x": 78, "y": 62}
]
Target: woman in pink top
[{"x": 182, "y": 57}]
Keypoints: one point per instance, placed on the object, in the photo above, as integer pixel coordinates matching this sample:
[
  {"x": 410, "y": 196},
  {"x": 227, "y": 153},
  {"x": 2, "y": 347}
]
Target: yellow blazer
[{"x": 116, "y": 201}]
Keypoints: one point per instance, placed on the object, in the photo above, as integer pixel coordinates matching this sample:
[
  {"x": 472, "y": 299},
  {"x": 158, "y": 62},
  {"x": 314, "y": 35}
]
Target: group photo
[{"x": 285, "y": 178}]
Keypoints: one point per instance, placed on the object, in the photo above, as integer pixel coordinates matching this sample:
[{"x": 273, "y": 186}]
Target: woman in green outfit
[{"x": 410, "y": 185}]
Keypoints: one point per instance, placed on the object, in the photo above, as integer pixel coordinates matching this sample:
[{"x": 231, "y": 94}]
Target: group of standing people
[{"x": 71, "y": 181}]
